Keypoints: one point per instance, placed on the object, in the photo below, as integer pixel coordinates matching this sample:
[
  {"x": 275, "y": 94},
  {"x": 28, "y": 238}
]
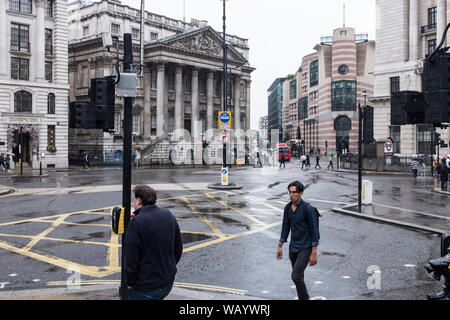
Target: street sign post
[
  {"x": 388, "y": 147},
  {"x": 224, "y": 120},
  {"x": 225, "y": 176}
]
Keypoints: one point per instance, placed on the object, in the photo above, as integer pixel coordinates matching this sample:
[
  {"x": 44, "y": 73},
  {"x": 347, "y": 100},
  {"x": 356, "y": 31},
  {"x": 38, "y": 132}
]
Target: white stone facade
[
  {"x": 28, "y": 87},
  {"x": 406, "y": 31},
  {"x": 182, "y": 85}
]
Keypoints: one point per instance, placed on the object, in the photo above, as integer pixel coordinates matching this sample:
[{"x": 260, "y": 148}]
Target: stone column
[
  {"x": 3, "y": 44},
  {"x": 210, "y": 101},
  {"x": 160, "y": 94},
  {"x": 441, "y": 20},
  {"x": 179, "y": 100},
  {"x": 247, "y": 108},
  {"x": 194, "y": 103},
  {"x": 39, "y": 41},
  {"x": 414, "y": 30},
  {"x": 237, "y": 102},
  {"x": 147, "y": 102}
]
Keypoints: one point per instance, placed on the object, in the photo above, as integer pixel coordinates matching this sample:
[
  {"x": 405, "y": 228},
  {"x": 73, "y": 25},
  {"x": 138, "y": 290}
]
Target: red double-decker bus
[{"x": 283, "y": 149}]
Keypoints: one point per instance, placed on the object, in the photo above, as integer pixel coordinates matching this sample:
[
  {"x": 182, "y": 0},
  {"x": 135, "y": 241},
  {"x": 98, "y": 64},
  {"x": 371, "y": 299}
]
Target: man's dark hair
[
  {"x": 146, "y": 194},
  {"x": 299, "y": 187}
]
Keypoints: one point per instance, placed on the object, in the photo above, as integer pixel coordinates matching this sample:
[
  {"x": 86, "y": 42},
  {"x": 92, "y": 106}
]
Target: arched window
[
  {"x": 342, "y": 126},
  {"x": 51, "y": 103},
  {"x": 22, "y": 101}
]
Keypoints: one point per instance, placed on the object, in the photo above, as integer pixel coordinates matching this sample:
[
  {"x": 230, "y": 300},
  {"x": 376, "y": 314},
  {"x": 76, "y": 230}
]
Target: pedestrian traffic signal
[
  {"x": 437, "y": 137},
  {"x": 436, "y": 84},
  {"x": 82, "y": 115}
]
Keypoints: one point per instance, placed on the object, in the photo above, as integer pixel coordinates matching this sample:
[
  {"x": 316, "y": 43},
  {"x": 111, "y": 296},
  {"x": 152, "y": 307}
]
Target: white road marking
[
  {"x": 318, "y": 298},
  {"x": 265, "y": 291},
  {"x": 410, "y": 265},
  {"x": 13, "y": 275},
  {"x": 36, "y": 280},
  {"x": 346, "y": 277},
  {"x": 318, "y": 282}
]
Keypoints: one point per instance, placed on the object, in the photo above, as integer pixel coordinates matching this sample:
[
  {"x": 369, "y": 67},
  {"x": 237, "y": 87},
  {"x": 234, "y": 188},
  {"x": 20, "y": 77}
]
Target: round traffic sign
[
  {"x": 225, "y": 118},
  {"x": 388, "y": 145}
]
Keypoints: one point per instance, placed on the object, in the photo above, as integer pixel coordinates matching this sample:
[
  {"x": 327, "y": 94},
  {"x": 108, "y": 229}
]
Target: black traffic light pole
[
  {"x": 359, "y": 155},
  {"x": 127, "y": 145}
]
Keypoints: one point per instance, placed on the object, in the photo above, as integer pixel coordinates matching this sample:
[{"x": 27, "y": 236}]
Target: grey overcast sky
[{"x": 280, "y": 32}]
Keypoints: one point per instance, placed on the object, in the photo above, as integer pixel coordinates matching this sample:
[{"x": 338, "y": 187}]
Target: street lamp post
[
  {"x": 360, "y": 115},
  {"x": 225, "y": 92}
]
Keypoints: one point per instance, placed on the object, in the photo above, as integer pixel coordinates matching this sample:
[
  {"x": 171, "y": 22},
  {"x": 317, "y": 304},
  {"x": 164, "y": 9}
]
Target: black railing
[
  {"x": 429, "y": 28},
  {"x": 20, "y": 46}
]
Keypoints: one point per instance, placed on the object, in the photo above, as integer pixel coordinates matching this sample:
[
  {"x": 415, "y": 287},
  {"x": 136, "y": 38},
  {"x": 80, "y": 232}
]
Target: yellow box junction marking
[{"x": 112, "y": 259}]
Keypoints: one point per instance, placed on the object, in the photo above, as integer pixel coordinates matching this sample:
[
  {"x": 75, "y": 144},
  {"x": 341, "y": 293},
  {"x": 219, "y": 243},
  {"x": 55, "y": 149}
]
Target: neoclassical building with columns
[
  {"x": 34, "y": 86},
  {"x": 181, "y": 88}
]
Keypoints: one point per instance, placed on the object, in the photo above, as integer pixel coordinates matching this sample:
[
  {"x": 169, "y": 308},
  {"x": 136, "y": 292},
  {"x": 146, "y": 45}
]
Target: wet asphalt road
[{"x": 231, "y": 238}]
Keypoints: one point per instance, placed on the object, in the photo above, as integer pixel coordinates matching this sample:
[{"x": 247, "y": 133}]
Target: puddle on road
[
  {"x": 99, "y": 235},
  {"x": 193, "y": 237}
]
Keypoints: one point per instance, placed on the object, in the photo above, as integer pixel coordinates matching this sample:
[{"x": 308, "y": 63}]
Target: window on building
[
  {"x": 202, "y": 86},
  {"x": 171, "y": 126},
  {"x": 136, "y": 123},
  {"x": 49, "y": 9},
  {"x": 153, "y": 79},
  {"x": 115, "y": 28},
  {"x": 303, "y": 108},
  {"x": 22, "y": 101},
  {"x": 394, "y": 132},
  {"x": 171, "y": 83},
  {"x": 23, "y": 6},
  {"x": 343, "y": 96},
  {"x": 431, "y": 46},
  {"x": 135, "y": 33},
  {"x": 48, "y": 42},
  {"x": 293, "y": 89},
  {"x": 217, "y": 86},
  {"x": 51, "y": 145},
  {"x": 49, "y": 71},
  {"x": 343, "y": 32},
  {"x": 424, "y": 133},
  {"x": 85, "y": 31},
  {"x": 432, "y": 17},
  {"x": 314, "y": 73},
  {"x": 117, "y": 122},
  {"x": 20, "y": 37},
  {"x": 242, "y": 97},
  {"x": 187, "y": 83},
  {"x": 153, "y": 124},
  {"x": 394, "y": 84},
  {"x": 153, "y": 36},
  {"x": 51, "y": 103},
  {"x": 19, "y": 69}
]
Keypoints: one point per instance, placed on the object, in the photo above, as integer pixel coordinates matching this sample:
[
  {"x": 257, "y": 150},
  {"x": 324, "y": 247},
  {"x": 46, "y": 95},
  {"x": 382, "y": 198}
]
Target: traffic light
[
  {"x": 437, "y": 137},
  {"x": 436, "y": 86},
  {"x": 368, "y": 125},
  {"x": 82, "y": 115},
  {"x": 102, "y": 94},
  {"x": 408, "y": 107}
]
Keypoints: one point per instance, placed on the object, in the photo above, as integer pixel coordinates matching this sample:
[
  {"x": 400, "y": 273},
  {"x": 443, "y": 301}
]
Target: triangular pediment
[{"x": 204, "y": 41}]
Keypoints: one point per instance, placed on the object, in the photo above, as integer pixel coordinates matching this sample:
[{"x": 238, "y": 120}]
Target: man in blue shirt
[{"x": 304, "y": 237}]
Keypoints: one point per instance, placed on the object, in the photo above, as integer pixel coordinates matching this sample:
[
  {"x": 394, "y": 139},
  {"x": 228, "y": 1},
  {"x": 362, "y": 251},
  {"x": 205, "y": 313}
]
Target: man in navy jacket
[
  {"x": 302, "y": 221},
  {"x": 153, "y": 247}
]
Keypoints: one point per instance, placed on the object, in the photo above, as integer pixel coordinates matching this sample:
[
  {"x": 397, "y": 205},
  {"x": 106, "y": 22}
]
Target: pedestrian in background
[
  {"x": 2, "y": 160},
  {"x": 300, "y": 219},
  {"x": 415, "y": 167},
  {"x": 318, "y": 162},
  {"x": 303, "y": 161},
  {"x": 443, "y": 175},
  {"x": 282, "y": 161},
  {"x": 308, "y": 161},
  {"x": 331, "y": 163},
  {"x": 153, "y": 248}
]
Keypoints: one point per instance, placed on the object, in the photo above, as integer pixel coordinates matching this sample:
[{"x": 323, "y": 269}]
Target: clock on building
[{"x": 343, "y": 69}]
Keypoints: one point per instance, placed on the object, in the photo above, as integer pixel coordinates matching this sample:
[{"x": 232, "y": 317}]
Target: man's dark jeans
[
  {"x": 159, "y": 294},
  {"x": 299, "y": 263}
]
